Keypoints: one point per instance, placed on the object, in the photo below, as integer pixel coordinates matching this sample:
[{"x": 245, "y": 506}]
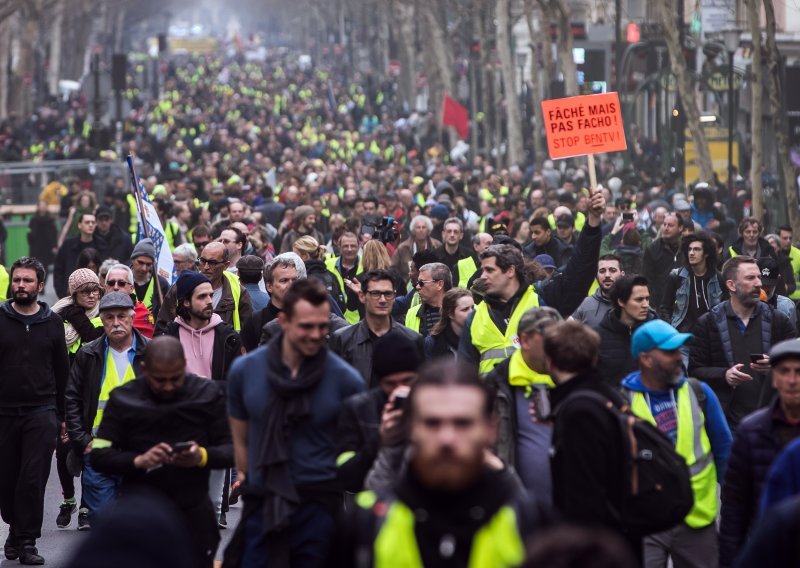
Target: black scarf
[{"x": 290, "y": 402}]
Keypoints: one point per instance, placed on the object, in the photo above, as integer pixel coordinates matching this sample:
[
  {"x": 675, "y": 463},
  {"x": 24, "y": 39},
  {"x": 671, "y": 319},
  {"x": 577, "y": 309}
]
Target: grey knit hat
[{"x": 145, "y": 247}]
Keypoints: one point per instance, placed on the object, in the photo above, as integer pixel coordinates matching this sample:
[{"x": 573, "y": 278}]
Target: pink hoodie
[{"x": 198, "y": 345}]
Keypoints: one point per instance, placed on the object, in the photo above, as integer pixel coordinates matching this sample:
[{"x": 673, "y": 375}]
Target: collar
[{"x": 521, "y": 375}]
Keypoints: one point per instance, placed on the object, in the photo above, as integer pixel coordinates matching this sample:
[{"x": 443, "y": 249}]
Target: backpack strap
[{"x": 699, "y": 393}]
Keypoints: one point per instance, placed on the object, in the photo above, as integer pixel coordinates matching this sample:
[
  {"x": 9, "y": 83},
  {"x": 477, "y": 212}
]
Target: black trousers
[
  {"x": 27, "y": 443},
  {"x": 64, "y": 476}
]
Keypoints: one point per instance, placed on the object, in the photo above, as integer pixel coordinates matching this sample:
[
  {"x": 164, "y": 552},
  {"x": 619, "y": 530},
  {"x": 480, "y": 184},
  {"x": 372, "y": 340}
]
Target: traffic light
[{"x": 633, "y": 33}]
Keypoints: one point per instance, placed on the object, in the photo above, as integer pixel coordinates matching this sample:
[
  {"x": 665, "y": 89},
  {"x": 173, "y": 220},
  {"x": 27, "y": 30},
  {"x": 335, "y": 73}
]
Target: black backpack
[{"x": 657, "y": 488}]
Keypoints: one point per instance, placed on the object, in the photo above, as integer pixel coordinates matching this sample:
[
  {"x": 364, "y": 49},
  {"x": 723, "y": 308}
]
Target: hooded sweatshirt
[
  {"x": 198, "y": 345},
  {"x": 663, "y": 406}
]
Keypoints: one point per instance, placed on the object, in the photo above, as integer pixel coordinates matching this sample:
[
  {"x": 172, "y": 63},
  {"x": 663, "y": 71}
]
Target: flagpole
[{"x": 136, "y": 185}]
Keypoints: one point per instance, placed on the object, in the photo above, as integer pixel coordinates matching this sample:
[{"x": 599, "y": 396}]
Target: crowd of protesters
[{"x": 393, "y": 357}]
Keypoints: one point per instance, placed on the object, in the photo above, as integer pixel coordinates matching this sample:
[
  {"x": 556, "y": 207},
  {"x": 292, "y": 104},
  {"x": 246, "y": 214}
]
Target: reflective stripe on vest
[
  {"x": 236, "y": 292},
  {"x": 497, "y": 543},
  {"x": 412, "y": 318},
  {"x": 352, "y": 316},
  {"x": 466, "y": 268},
  {"x": 111, "y": 381},
  {"x": 72, "y": 349},
  {"x": 487, "y": 339},
  {"x": 695, "y": 447}
]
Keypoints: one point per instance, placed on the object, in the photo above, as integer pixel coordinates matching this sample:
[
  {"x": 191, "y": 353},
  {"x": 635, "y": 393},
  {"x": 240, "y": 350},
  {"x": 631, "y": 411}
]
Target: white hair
[
  {"x": 291, "y": 258},
  {"x": 124, "y": 267},
  {"x": 186, "y": 250},
  {"x": 425, "y": 219}
]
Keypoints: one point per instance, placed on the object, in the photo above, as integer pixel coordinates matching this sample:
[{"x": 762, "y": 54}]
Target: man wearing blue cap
[{"x": 686, "y": 411}]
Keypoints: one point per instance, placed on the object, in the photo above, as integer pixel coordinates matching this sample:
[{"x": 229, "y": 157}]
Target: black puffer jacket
[
  {"x": 316, "y": 269},
  {"x": 83, "y": 388},
  {"x": 755, "y": 446},
  {"x": 615, "y": 359}
]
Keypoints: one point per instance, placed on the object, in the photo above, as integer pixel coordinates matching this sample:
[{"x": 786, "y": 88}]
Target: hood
[
  {"x": 598, "y": 295},
  {"x": 43, "y": 314},
  {"x": 214, "y": 322},
  {"x": 634, "y": 382},
  {"x": 315, "y": 267},
  {"x": 612, "y": 322}
]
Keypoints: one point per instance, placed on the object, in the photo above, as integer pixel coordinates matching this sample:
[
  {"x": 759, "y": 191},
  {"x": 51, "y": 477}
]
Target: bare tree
[
  {"x": 756, "y": 117},
  {"x": 516, "y": 150},
  {"x": 778, "y": 117},
  {"x": 404, "y": 18},
  {"x": 666, "y": 11},
  {"x": 536, "y": 87}
]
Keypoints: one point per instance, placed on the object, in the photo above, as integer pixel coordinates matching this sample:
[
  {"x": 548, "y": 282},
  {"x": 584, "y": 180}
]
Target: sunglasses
[
  {"x": 212, "y": 263},
  {"x": 115, "y": 283}
]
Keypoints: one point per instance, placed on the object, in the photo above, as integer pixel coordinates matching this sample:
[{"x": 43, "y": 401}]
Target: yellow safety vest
[
  {"x": 492, "y": 345},
  {"x": 4, "y": 282},
  {"x": 794, "y": 258},
  {"x": 236, "y": 292},
  {"x": 148, "y": 295},
  {"x": 694, "y": 446},
  {"x": 352, "y": 316},
  {"x": 72, "y": 349},
  {"x": 497, "y": 543},
  {"x": 466, "y": 268},
  {"x": 111, "y": 380},
  {"x": 412, "y": 319},
  {"x": 133, "y": 212}
]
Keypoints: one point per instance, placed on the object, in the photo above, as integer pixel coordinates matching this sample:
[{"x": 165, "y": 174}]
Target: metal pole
[
  {"x": 680, "y": 138},
  {"x": 617, "y": 44},
  {"x": 730, "y": 125}
]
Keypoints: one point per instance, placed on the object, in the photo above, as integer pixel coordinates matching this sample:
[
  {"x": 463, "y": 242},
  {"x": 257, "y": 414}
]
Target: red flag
[{"x": 455, "y": 115}]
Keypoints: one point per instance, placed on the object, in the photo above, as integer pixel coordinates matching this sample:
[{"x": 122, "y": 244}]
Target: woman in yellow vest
[
  {"x": 81, "y": 314},
  {"x": 81, "y": 309}
]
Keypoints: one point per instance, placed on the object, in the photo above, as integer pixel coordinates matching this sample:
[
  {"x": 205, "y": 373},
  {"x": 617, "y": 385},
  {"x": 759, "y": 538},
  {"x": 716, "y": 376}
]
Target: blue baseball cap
[
  {"x": 657, "y": 334},
  {"x": 545, "y": 260}
]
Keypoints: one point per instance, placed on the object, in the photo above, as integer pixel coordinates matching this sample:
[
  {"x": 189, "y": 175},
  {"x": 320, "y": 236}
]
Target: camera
[{"x": 383, "y": 229}]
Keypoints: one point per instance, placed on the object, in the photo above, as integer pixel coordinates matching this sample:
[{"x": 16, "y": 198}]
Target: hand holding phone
[{"x": 181, "y": 447}]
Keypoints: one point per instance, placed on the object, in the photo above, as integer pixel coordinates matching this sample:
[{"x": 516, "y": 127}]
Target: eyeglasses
[
  {"x": 200, "y": 245},
  {"x": 212, "y": 263},
  {"x": 225, "y": 241},
  {"x": 115, "y": 283},
  {"x": 421, "y": 283},
  {"x": 375, "y": 294},
  {"x": 89, "y": 292}
]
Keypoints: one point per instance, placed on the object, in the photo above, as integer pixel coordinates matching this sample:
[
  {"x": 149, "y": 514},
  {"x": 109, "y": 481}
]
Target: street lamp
[{"x": 730, "y": 38}]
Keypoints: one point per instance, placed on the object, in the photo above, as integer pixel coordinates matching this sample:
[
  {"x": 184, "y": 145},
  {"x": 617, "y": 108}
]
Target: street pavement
[{"x": 59, "y": 545}]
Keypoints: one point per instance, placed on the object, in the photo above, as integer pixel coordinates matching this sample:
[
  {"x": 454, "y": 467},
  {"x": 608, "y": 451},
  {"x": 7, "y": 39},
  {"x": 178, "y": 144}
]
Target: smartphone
[
  {"x": 627, "y": 216},
  {"x": 181, "y": 447},
  {"x": 756, "y": 357},
  {"x": 400, "y": 401}
]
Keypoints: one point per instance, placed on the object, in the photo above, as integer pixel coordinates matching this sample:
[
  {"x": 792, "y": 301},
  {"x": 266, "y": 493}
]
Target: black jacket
[
  {"x": 354, "y": 345},
  {"x": 67, "y": 261},
  {"x": 116, "y": 244},
  {"x": 615, "y": 359},
  {"x": 134, "y": 421},
  {"x": 34, "y": 361},
  {"x": 708, "y": 362},
  {"x": 316, "y": 269},
  {"x": 658, "y": 260},
  {"x": 587, "y": 453},
  {"x": 358, "y": 432},
  {"x": 556, "y": 248},
  {"x": 227, "y": 346},
  {"x": 756, "y": 444},
  {"x": 83, "y": 387},
  {"x": 252, "y": 328},
  {"x": 42, "y": 238}
]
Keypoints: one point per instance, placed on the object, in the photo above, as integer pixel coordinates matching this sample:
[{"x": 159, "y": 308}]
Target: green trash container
[{"x": 17, "y": 241}]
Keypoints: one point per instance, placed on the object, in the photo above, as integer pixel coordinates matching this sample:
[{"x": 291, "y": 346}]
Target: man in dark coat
[
  {"x": 759, "y": 439},
  {"x": 167, "y": 431},
  {"x": 67, "y": 256},
  {"x": 662, "y": 256},
  {"x": 730, "y": 338}
]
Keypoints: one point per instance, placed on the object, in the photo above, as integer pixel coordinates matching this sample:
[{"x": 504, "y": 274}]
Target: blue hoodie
[{"x": 663, "y": 407}]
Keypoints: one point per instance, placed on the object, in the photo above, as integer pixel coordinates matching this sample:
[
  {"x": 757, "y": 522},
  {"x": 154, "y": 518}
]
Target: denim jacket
[{"x": 714, "y": 292}]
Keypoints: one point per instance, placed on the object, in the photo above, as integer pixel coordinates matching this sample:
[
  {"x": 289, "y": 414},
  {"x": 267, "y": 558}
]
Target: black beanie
[
  {"x": 394, "y": 353},
  {"x": 187, "y": 282}
]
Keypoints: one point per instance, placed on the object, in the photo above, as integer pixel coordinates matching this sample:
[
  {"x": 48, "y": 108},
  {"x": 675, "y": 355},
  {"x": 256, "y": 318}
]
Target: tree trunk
[
  {"x": 516, "y": 149},
  {"x": 54, "y": 59},
  {"x": 779, "y": 118},
  {"x": 564, "y": 48},
  {"x": 667, "y": 12},
  {"x": 5, "y": 53},
  {"x": 439, "y": 57},
  {"x": 404, "y": 19},
  {"x": 756, "y": 119},
  {"x": 536, "y": 86},
  {"x": 487, "y": 92}
]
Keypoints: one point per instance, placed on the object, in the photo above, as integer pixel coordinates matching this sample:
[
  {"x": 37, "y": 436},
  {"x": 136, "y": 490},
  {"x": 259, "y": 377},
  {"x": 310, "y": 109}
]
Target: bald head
[
  {"x": 163, "y": 349},
  {"x": 164, "y": 367}
]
